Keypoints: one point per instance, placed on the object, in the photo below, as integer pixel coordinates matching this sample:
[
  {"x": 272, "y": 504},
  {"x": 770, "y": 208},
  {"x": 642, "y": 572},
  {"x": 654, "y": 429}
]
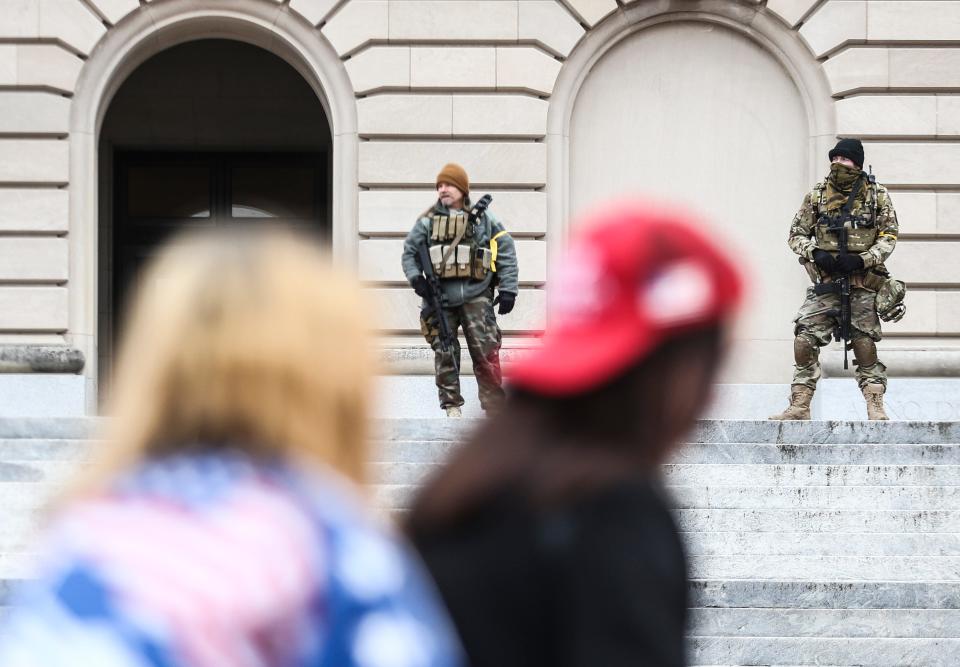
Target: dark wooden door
[{"x": 160, "y": 193}]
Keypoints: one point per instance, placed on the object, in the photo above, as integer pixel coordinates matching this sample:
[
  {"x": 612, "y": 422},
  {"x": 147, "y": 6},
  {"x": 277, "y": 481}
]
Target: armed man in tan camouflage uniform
[
  {"x": 482, "y": 257},
  {"x": 871, "y": 238}
]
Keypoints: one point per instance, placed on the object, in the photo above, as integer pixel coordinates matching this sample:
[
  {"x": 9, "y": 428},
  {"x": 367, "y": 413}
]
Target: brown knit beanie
[{"x": 455, "y": 175}]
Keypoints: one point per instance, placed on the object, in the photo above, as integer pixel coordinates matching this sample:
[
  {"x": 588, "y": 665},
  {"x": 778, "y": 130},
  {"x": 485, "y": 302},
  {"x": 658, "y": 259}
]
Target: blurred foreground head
[
  {"x": 634, "y": 278},
  {"x": 638, "y": 315},
  {"x": 249, "y": 340}
]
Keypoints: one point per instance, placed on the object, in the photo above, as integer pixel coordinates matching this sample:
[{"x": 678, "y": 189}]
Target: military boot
[
  {"x": 800, "y": 397},
  {"x": 454, "y": 412},
  {"x": 873, "y": 395}
]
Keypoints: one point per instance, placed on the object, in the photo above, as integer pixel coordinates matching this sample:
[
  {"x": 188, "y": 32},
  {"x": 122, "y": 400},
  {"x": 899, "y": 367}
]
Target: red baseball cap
[{"x": 634, "y": 275}]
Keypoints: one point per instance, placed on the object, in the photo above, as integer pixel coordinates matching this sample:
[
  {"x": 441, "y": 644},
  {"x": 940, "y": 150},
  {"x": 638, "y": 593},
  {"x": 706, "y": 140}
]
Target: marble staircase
[{"x": 827, "y": 543}]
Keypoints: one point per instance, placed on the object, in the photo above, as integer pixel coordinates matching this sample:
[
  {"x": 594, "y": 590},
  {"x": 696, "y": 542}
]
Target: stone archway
[{"x": 143, "y": 34}]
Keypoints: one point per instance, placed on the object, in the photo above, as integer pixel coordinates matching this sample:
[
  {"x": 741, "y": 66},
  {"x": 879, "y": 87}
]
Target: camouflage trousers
[
  {"x": 479, "y": 324},
  {"x": 815, "y": 324}
]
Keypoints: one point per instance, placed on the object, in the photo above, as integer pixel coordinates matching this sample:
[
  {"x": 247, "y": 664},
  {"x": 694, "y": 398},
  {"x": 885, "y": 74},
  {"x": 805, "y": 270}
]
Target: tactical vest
[
  {"x": 863, "y": 222},
  {"x": 454, "y": 250}
]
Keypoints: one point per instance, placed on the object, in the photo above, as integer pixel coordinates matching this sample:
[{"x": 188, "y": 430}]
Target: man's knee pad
[
  {"x": 864, "y": 351},
  {"x": 805, "y": 351}
]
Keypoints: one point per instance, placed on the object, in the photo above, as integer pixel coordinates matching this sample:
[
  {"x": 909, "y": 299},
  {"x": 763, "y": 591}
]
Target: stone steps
[
  {"x": 835, "y": 623},
  {"x": 828, "y": 543},
  {"x": 878, "y": 652},
  {"x": 864, "y": 498},
  {"x": 740, "y": 475}
]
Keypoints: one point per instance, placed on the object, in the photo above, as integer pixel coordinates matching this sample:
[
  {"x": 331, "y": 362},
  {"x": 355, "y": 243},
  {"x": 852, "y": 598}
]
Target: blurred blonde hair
[{"x": 247, "y": 340}]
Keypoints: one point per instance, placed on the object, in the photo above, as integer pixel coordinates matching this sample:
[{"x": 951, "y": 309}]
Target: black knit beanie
[{"x": 851, "y": 149}]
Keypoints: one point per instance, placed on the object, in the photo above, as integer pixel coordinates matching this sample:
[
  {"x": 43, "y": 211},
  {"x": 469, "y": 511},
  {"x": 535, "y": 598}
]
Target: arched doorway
[
  {"x": 208, "y": 133},
  {"x": 701, "y": 114}
]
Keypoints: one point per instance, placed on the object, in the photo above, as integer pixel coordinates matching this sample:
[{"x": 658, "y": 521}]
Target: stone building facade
[{"x": 122, "y": 118}]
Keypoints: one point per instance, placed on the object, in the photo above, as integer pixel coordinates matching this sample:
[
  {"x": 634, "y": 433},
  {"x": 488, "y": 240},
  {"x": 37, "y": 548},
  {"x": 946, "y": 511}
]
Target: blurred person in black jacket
[{"x": 548, "y": 533}]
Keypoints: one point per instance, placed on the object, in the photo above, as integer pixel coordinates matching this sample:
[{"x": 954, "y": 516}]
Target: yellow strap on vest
[
  {"x": 893, "y": 236},
  {"x": 493, "y": 251}
]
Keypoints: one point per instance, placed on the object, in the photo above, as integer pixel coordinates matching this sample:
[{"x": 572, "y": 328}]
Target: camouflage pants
[
  {"x": 483, "y": 336},
  {"x": 814, "y": 323}
]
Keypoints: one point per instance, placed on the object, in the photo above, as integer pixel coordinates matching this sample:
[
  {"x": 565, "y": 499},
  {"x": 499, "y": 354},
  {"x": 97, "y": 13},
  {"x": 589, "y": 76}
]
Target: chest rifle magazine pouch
[
  {"x": 459, "y": 227},
  {"x": 438, "y": 231},
  {"x": 463, "y": 261},
  {"x": 450, "y": 266},
  {"x": 436, "y": 256},
  {"x": 481, "y": 263}
]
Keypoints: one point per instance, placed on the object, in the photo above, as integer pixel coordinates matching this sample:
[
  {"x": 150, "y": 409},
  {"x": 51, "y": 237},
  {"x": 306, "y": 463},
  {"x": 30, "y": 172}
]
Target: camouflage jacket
[
  {"x": 873, "y": 210},
  {"x": 458, "y": 291}
]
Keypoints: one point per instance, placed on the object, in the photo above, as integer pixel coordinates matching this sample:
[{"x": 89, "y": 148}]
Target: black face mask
[{"x": 842, "y": 176}]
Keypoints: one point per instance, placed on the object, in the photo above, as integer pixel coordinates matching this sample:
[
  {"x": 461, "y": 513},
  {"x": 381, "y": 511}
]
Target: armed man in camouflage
[
  {"x": 471, "y": 258},
  {"x": 871, "y": 238}
]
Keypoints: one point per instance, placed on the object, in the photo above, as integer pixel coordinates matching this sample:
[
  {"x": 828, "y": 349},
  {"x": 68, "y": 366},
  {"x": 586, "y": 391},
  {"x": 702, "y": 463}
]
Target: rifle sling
[{"x": 848, "y": 207}]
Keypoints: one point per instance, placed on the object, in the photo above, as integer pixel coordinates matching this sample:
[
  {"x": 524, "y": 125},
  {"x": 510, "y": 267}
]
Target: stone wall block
[
  {"x": 315, "y": 11},
  {"x": 33, "y": 309},
  {"x": 379, "y": 261},
  {"x": 8, "y": 64},
  {"x": 948, "y": 312},
  {"x": 500, "y": 115},
  {"x": 948, "y": 115},
  {"x": 34, "y": 161},
  {"x": 892, "y": 115},
  {"x": 398, "y": 309},
  {"x": 33, "y": 210},
  {"x": 393, "y": 212},
  {"x": 115, "y": 10},
  {"x": 33, "y": 259},
  {"x": 29, "y": 112},
  {"x": 925, "y": 68},
  {"x": 920, "y": 163},
  {"x": 19, "y": 19},
  {"x": 926, "y": 262},
  {"x": 379, "y": 67},
  {"x": 47, "y": 65},
  {"x": 70, "y": 22},
  {"x": 790, "y": 11},
  {"x": 453, "y": 67},
  {"x": 948, "y": 213},
  {"x": 424, "y": 115},
  {"x": 487, "y": 163},
  {"x": 913, "y": 20},
  {"x": 526, "y": 68},
  {"x": 359, "y": 22},
  {"x": 453, "y": 20},
  {"x": 835, "y": 23},
  {"x": 592, "y": 12},
  {"x": 857, "y": 68},
  {"x": 916, "y": 211},
  {"x": 548, "y": 23}
]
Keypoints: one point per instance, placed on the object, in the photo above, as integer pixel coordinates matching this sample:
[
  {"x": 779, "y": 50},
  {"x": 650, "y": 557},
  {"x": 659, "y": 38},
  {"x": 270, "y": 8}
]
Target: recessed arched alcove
[
  {"x": 723, "y": 113},
  {"x": 208, "y": 133}
]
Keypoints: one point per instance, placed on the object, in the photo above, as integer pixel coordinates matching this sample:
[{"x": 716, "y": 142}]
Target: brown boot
[
  {"x": 800, "y": 397},
  {"x": 873, "y": 395}
]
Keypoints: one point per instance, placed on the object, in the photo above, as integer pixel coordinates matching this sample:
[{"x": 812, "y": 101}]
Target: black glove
[
  {"x": 507, "y": 301},
  {"x": 824, "y": 260},
  {"x": 420, "y": 286},
  {"x": 847, "y": 264}
]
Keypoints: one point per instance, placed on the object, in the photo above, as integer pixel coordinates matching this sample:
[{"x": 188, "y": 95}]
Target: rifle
[
  {"x": 434, "y": 302},
  {"x": 840, "y": 284}
]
